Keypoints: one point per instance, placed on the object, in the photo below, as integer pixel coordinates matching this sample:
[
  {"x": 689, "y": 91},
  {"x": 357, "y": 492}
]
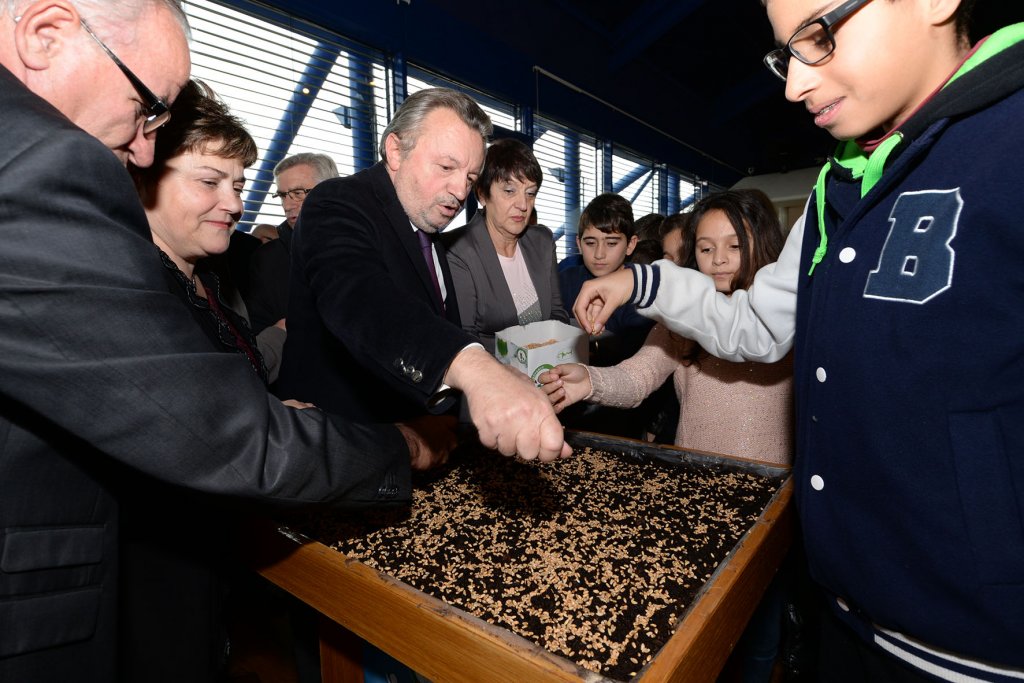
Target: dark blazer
[
  {"x": 367, "y": 337},
  {"x": 269, "y": 277},
  {"x": 485, "y": 301},
  {"x": 106, "y": 382}
]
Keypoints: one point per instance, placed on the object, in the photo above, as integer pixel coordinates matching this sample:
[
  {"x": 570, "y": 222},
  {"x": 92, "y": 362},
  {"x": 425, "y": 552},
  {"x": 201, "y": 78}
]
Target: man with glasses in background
[
  {"x": 900, "y": 290},
  {"x": 108, "y": 389},
  {"x": 295, "y": 177},
  {"x": 270, "y": 265}
]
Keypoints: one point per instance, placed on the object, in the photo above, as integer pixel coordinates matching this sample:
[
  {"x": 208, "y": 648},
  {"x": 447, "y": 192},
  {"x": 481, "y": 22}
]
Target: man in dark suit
[
  {"x": 373, "y": 323},
  {"x": 106, "y": 383},
  {"x": 270, "y": 266}
]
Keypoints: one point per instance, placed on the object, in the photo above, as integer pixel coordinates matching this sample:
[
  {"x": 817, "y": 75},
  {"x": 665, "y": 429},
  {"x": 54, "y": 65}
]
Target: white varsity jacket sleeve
[{"x": 755, "y": 324}]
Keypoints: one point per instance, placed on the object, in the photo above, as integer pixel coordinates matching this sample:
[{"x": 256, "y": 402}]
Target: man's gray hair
[
  {"x": 323, "y": 166},
  {"x": 107, "y": 16},
  {"x": 407, "y": 120}
]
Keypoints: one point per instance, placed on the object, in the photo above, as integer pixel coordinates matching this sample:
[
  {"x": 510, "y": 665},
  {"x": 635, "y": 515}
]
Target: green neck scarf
[{"x": 868, "y": 168}]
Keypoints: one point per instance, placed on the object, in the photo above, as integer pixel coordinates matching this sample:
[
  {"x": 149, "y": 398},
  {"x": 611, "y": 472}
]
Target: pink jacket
[{"x": 743, "y": 409}]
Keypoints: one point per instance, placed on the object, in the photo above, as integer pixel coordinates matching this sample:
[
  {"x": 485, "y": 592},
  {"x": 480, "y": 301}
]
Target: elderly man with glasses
[
  {"x": 296, "y": 176},
  {"x": 270, "y": 265},
  {"x": 107, "y": 383}
]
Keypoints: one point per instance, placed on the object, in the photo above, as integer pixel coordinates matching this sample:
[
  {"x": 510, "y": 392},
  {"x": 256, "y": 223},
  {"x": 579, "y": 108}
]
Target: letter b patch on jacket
[{"x": 916, "y": 263}]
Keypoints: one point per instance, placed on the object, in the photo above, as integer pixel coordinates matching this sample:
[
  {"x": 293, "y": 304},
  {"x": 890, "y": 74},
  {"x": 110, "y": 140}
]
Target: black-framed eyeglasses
[
  {"x": 157, "y": 112},
  {"x": 812, "y": 42},
  {"x": 296, "y": 195}
]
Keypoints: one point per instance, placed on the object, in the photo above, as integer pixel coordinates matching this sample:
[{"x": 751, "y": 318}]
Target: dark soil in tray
[{"x": 594, "y": 558}]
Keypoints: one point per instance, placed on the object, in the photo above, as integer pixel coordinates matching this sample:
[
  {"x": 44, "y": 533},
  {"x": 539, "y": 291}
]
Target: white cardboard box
[{"x": 540, "y": 346}]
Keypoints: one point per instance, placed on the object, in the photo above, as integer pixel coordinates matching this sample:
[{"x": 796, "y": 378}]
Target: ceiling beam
[
  {"x": 582, "y": 17},
  {"x": 650, "y": 21},
  {"x": 757, "y": 86}
]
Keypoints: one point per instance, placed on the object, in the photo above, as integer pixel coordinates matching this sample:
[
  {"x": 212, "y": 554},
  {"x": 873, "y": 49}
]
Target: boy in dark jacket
[
  {"x": 606, "y": 239},
  {"x": 901, "y": 292}
]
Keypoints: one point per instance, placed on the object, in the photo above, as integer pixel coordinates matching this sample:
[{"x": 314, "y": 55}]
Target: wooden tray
[{"x": 447, "y": 644}]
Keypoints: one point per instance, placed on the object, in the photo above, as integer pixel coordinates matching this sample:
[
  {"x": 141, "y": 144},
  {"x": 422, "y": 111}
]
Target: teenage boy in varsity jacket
[{"x": 902, "y": 291}]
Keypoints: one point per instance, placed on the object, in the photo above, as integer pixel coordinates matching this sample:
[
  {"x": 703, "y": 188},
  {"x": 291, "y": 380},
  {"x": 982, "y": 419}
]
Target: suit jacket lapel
[
  {"x": 501, "y": 295},
  {"x": 403, "y": 232},
  {"x": 451, "y": 303}
]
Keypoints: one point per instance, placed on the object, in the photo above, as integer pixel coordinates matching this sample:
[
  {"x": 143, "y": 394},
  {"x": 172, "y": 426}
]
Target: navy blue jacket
[
  {"x": 910, "y": 382},
  {"x": 909, "y": 373}
]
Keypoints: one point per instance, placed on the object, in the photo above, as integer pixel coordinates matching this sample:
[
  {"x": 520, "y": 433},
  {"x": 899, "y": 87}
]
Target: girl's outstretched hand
[{"x": 566, "y": 384}]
